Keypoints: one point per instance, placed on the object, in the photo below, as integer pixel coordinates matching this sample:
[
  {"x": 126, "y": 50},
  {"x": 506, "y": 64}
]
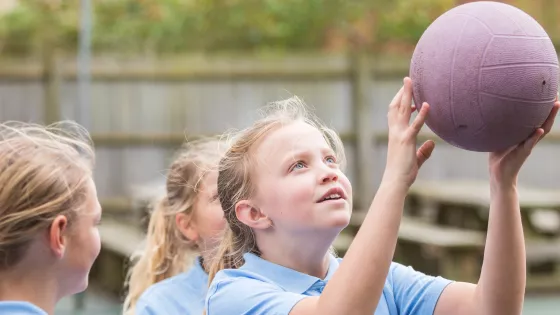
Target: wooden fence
[{"x": 143, "y": 109}]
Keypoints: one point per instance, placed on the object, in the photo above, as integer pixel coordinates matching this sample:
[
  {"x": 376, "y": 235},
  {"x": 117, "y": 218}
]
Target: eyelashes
[
  {"x": 329, "y": 159},
  {"x": 214, "y": 197}
]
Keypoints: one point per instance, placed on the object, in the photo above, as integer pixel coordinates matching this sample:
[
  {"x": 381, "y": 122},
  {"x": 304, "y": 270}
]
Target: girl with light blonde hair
[
  {"x": 169, "y": 275},
  {"x": 49, "y": 213},
  {"x": 286, "y": 198}
]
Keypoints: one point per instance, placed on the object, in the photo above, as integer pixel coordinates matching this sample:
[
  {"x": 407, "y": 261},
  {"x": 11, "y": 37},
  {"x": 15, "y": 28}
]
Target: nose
[{"x": 328, "y": 175}]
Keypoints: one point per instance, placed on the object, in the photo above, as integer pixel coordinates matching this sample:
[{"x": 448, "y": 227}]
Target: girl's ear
[
  {"x": 187, "y": 226},
  {"x": 57, "y": 237},
  {"x": 252, "y": 216}
]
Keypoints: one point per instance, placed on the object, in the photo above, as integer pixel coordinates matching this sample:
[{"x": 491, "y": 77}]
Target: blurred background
[{"x": 144, "y": 75}]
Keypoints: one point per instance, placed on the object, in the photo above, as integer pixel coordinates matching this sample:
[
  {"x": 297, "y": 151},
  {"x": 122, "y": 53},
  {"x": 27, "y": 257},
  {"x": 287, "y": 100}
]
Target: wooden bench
[
  {"x": 543, "y": 263},
  {"x": 448, "y": 251},
  {"x": 120, "y": 238},
  {"x": 461, "y": 202},
  {"x": 422, "y": 232},
  {"x": 457, "y": 253}
]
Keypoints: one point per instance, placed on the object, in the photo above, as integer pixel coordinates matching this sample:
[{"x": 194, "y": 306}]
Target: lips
[{"x": 335, "y": 193}]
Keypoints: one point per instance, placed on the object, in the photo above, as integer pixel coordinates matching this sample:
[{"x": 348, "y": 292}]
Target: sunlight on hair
[
  {"x": 234, "y": 180},
  {"x": 43, "y": 174}
]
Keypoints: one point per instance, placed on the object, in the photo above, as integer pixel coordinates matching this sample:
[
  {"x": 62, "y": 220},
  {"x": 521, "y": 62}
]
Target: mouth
[{"x": 333, "y": 194}]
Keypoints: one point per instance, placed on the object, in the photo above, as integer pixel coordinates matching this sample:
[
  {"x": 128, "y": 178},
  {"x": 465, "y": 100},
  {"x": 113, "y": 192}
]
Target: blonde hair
[
  {"x": 234, "y": 179},
  {"x": 168, "y": 252},
  {"x": 44, "y": 173}
]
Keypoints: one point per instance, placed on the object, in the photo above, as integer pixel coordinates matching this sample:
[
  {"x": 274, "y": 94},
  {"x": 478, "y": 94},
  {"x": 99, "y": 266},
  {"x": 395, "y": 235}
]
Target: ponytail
[
  {"x": 226, "y": 256},
  {"x": 165, "y": 255}
]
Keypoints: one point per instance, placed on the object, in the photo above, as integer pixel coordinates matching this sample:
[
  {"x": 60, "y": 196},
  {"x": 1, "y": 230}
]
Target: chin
[
  {"x": 339, "y": 219},
  {"x": 80, "y": 286}
]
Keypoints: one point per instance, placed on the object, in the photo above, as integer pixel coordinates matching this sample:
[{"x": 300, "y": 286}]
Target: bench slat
[
  {"x": 119, "y": 237},
  {"x": 543, "y": 250},
  {"x": 477, "y": 193},
  {"x": 421, "y": 232}
]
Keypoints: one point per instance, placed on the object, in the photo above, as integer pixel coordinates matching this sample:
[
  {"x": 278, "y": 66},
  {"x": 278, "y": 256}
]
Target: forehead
[
  {"x": 294, "y": 137},
  {"x": 91, "y": 203},
  {"x": 209, "y": 181}
]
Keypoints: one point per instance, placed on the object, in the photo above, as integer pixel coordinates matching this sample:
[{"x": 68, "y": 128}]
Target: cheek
[
  {"x": 345, "y": 182},
  {"x": 302, "y": 194},
  {"x": 86, "y": 247},
  {"x": 213, "y": 220},
  {"x": 218, "y": 220},
  {"x": 294, "y": 194},
  {"x": 96, "y": 242}
]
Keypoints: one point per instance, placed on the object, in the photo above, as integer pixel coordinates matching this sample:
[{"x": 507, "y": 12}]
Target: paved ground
[{"x": 98, "y": 304}]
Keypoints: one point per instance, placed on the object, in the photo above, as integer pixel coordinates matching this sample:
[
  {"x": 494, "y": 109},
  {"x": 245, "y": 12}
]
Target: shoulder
[
  {"x": 402, "y": 273},
  {"x": 239, "y": 281},
  {"x": 20, "y": 307},
  {"x": 169, "y": 296},
  {"x": 235, "y": 291},
  {"x": 414, "y": 292}
]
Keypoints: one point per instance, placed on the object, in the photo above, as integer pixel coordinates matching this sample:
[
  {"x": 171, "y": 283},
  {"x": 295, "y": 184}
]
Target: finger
[
  {"x": 413, "y": 108},
  {"x": 547, "y": 125},
  {"x": 397, "y": 98},
  {"x": 532, "y": 141},
  {"x": 420, "y": 118},
  {"x": 424, "y": 152},
  {"x": 394, "y": 105},
  {"x": 406, "y": 99},
  {"x": 505, "y": 152}
]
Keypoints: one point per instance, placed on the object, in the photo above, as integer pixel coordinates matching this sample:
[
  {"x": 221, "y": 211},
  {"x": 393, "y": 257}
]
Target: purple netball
[{"x": 490, "y": 74}]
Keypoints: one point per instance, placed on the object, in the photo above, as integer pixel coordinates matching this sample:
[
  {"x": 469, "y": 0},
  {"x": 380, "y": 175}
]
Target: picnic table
[
  {"x": 466, "y": 204},
  {"x": 443, "y": 230}
]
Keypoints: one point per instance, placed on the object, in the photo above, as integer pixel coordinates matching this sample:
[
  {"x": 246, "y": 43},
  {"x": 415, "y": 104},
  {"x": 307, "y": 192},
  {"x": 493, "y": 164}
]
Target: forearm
[
  {"x": 502, "y": 282},
  {"x": 358, "y": 283}
]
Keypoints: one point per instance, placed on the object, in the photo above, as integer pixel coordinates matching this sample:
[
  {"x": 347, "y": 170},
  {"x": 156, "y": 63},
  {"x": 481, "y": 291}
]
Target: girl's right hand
[{"x": 403, "y": 160}]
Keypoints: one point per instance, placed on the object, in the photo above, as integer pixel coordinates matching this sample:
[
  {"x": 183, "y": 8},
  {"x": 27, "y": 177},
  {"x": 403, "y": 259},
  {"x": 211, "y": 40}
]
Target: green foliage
[
  {"x": 408, "y": 19},
  {"x": 171, "y": 26},
  {"x": 19, "y": 30},
  {"x": 176, "y": 26}
]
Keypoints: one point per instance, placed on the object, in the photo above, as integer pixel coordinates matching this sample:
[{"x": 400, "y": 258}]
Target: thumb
[{"x": 424, "y": 152}]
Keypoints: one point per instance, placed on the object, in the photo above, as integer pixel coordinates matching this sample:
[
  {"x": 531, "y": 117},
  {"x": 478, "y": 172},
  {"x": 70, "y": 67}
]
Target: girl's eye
[
  {"x": 214, "y": 197},
  {"x": 298, "y": 165},
  {"x": 330, "y": 159}
]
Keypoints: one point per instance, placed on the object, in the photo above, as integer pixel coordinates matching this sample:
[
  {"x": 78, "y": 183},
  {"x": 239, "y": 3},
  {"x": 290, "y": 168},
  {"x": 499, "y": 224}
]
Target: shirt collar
[
  {"x": 197, "y": 273},
  {"x": 289, "y": 279},
  {"x": 20, "y": 307}
]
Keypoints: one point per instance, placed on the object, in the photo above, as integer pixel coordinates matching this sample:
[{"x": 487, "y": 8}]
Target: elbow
[{"x": 497, "y": 302}]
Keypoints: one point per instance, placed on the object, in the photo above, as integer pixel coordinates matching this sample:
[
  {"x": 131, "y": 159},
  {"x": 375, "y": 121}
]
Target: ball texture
[{"x": 490, "y": 74}]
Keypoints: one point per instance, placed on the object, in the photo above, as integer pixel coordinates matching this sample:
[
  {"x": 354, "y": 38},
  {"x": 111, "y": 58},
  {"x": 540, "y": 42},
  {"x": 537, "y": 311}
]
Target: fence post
[
  {"x": 50, "y": 74},
  {"x": 361, "y": 116}
]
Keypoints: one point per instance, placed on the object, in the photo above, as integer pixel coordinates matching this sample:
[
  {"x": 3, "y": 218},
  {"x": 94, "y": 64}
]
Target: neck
[
  {"x": 205, "y": 257},
  {"x": 207, "y": 251},
  {"x": 34, "y": 287},
  {"x": 308, "y": 254}
]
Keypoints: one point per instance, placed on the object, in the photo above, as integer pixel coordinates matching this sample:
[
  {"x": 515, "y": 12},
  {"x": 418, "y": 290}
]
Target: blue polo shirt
[
  {"x": 20, "y": 308},
  {"x": 261, "y": 287},
  {"x": 182, "y": 294}
]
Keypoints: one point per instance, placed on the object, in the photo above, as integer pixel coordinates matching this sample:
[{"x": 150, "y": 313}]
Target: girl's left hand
[{"x": 505, "y": 165}]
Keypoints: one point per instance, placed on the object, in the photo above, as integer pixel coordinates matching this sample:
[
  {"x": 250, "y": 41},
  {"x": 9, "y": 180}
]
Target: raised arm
[
  {"x": 357, "y": 285},
  {"x": 501, "y": 287}
]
